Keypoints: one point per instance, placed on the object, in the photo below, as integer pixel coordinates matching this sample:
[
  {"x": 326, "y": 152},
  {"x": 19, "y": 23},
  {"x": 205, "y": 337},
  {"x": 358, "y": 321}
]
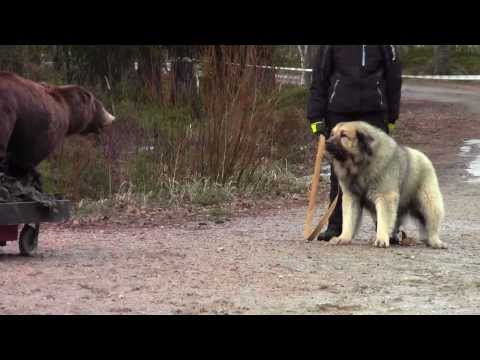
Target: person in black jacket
[{"x": 349, "y": 83}]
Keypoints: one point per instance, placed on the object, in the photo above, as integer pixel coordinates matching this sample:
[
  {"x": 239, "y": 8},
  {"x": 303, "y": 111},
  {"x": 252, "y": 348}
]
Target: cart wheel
[{"x": 28, "y": 240}]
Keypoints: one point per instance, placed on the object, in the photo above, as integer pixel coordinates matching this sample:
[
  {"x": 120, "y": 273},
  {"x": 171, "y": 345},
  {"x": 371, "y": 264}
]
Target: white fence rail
[
  {"x": 294, "y": 76},
  {"x": 288, "y": 75},
  {"x": 444, "y": 77}
]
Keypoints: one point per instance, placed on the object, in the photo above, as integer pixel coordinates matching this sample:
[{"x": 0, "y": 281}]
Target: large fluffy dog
[{"x": 389, "y": 180}]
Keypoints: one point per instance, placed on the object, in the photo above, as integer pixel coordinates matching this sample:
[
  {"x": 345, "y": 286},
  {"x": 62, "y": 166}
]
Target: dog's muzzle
[{"x": 335, "y": 150}]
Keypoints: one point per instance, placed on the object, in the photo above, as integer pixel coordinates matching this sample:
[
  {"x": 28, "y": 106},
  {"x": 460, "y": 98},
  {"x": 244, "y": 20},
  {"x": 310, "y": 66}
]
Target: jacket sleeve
[
  {"x": 393, "y": 76},
  {"x": 317, "y": 102}
]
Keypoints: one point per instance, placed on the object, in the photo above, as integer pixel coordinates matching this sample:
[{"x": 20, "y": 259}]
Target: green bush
[
  {"x": 291, "y": 96},
  {"x": 78, "y": 170},
  {"x": 205, "y": 192},
  {"x": 145, "y": 173},
  {"x": 175, "y": 152},
  {"x": 419, "y": 61}
]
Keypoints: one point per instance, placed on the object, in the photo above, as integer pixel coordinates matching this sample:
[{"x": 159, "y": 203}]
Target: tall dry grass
[
  {"x": 236, "y": 133},
  {"x": 242, "y": 129}
]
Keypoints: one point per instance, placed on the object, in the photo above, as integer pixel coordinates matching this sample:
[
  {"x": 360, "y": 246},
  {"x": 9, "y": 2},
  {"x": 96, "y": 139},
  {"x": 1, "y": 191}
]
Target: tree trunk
[
  {"x": 302, "y": 51},
  {"x": 266, "y": 75},
  {"x": 309, "y": 62},
  {"x": 307, "y": 59},
  {"x": 183, "y": 76},
  {"x": 441, "y": 59},
  {"x": 151, "y": 71}
]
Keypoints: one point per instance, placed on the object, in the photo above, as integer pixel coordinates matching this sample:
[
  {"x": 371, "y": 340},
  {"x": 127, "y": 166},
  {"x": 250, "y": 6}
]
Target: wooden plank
[
  {"x": 307, "y": 231},
  {"x": 32, "y": 212}
]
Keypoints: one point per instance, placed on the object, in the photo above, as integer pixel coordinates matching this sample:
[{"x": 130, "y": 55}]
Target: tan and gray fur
[{"x": 389, "y": 180}]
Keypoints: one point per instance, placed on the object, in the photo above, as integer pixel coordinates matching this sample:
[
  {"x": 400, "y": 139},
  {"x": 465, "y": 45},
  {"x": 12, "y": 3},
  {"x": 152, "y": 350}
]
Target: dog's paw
[
  {"x": 398, "y": 238},
  {"x": 438, "y": 245},
  {"x": 381, "y": 243},
  {"x": 337, "y": 240}
]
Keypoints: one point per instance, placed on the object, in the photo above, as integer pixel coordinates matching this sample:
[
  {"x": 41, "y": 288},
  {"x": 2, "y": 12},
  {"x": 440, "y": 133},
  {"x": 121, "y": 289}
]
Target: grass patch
[
  {"x": 291, "y": 96},
  {"x": 419, "y": 61},
  {"x": 204, "y": 192},
  {"x": 248, "y": 136},
  {"x": 276, "y": 180}
]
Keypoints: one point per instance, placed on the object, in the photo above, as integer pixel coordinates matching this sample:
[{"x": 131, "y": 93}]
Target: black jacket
[{"x": 356, "y": 79}]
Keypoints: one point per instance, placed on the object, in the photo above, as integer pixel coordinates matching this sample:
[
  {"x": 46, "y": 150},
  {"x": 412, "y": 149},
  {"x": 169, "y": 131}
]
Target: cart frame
[{"x": 31, "y": 214}]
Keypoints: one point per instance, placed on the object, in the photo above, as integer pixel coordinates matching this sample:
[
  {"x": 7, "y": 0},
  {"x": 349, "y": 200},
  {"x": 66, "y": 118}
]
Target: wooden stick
[
  {"x": 323, "y": 221},
  {"x": 307, "y": 232}
]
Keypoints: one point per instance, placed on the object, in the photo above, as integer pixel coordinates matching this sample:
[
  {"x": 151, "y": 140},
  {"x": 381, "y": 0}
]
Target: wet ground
[{"x": 260, "y": 264}]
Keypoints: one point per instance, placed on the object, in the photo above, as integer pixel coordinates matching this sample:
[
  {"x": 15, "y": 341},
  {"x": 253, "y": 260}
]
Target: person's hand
[
  {"x": 318, "y": 128},
  {"x": 391, "y": 127}
]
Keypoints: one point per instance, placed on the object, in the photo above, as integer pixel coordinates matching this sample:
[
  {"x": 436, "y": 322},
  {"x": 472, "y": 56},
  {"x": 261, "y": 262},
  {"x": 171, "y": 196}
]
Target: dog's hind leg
[
  {"x": 396, "y": 236},
  {"x": 386, "y": 206},
  {"x": 430, "y": 207}
]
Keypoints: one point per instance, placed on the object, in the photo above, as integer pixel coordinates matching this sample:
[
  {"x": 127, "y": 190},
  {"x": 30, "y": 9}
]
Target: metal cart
[{"x": 30, "y": 215}]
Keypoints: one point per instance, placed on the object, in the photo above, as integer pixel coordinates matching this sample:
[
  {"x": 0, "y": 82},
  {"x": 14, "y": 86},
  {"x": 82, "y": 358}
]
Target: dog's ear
[{"x": 365, "y": 142}]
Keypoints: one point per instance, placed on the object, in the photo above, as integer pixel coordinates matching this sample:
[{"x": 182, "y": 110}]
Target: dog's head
[{"x": 350, "y": 142}]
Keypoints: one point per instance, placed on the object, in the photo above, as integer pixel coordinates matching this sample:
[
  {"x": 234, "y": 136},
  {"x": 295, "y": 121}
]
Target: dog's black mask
[{"x": 336, "y": 150}]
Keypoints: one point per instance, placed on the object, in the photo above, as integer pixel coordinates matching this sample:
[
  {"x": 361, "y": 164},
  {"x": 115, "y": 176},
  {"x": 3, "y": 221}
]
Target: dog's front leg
[
  {"x": 386, "y": 206},
  {"x": 351, "y": 212}
]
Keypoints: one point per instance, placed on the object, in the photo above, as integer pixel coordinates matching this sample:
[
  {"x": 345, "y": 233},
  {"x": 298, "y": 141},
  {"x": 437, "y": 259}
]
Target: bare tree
[
  {"x": 183, "y": 75},
  {"x": 441, "y": 59},
  {"x": 307, "y": 57},
  {"x": 310, "y": 60},
  {"x": 303, "y": 51}
]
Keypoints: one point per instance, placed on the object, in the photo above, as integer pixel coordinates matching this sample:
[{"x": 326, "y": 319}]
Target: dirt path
[{"x": 261, "y": 265}]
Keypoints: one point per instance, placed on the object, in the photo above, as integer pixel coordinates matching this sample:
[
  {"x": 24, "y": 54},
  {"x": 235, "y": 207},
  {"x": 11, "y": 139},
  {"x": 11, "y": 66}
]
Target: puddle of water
[
  {"x": 471, "y": 149},
  {"x": 325, "y": 171},
  {"x": 472, "y": 142}
]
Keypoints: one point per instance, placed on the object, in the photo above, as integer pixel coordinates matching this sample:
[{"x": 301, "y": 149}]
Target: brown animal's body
[{"x": 36, "y": 117}]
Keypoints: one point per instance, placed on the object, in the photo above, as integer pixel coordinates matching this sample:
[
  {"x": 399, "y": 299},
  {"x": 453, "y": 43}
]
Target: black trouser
[{"x": 378, "y": 119}]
